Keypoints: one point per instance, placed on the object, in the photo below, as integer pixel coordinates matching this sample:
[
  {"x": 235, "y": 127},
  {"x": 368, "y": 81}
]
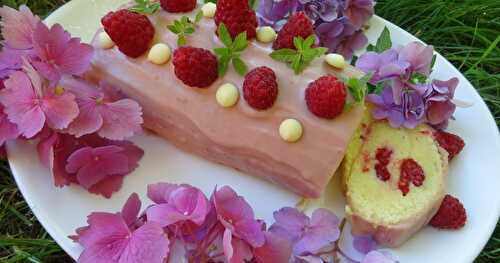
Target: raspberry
[
  {"x": 451, "y": 214},
  {"x": 132, "y": 32},
  {"x": 450, "y": 142},
  {"x": 325, "y": 97},
  {"x": 298, "y": 25},
  {"x": 383, "y": 156},
  {"x": 260, "y": 88},
  {"x": 411, "y": 172},
  {"x": 195, "y": 67},
  {"x": 178, "y": 6},
  {"x": 237, "y": 16}
]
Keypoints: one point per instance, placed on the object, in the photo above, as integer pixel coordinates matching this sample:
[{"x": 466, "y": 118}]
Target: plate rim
[{"x": 62, "y": 241}]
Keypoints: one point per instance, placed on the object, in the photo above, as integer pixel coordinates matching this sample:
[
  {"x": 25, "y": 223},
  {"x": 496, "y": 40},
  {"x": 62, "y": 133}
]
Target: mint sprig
[
  {"x": 384, "y": 42},
  {"x": 145, "y": 7},
  {"x": 358, "y": 87},
  {"x": 184, "y": 27},
  {"x": 231, "y": 52},
  {"x": 298, "y": 59}
]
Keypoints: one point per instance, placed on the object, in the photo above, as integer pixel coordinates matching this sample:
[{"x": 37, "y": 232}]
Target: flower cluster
[
  {"x": 183, "y": 225},
  {"x": 338, "y": 23},
  {"x": 43, "y": 96},
  {"x": 404, "y": 93}
]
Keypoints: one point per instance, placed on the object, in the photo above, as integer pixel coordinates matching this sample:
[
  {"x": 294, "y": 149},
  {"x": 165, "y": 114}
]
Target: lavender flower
[
  {"x": 320, "y": 10},
  {"x": 340, "y": 36},
  {"x": 273, "y": 13},
  {"x": 409, "y": 114}
]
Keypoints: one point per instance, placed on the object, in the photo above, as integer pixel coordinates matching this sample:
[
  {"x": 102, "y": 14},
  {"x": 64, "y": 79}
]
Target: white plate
[{"x": 474, "y": 175}]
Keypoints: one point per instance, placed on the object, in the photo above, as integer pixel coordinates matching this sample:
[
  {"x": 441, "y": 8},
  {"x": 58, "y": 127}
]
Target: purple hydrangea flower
[
  {"x": 308, "y": 235},
  {"x": 340, "y": 36},
  {"x": 359, "y": 11},
  {"x": 273, "y": 13},
  {"x": 320, "y": 10},
  {"x": 383, "y": 66},
  {"x": 409, "y": 114},
  {"x": 438, "y": 97},
  {"x": 376, "y": 256}
]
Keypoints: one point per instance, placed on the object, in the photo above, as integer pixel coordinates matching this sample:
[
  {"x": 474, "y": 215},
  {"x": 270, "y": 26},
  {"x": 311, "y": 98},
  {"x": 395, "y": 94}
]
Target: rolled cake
[
  {"x": 238, "y": 137},
  {"x": 382, "y": 199}
]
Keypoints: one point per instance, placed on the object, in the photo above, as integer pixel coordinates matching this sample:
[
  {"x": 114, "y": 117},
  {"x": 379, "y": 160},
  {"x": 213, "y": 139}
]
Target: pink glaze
[{"x": 239, "y": 137}]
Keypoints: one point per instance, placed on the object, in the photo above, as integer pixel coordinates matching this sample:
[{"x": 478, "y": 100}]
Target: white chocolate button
[
  {"x": 227, "y": 95},
  {"x": 105, "y": 41},
  {"x": 208, "y": 9},
  {"x": 159, "y": 54},
  {"x": 290, "y": 130},
  {"x": 335, "y": 60},
  {"x": 266, "y": 34}
]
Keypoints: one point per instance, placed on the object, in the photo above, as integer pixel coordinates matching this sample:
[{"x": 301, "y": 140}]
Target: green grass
[{"x": 466, "y": 32}]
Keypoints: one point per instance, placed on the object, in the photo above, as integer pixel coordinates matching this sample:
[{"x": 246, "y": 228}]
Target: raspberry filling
[
  {"x": 383, "y": 157},
  {"x": 411, "y": 172}
]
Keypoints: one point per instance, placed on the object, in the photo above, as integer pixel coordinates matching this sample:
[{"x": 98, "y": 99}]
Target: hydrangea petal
[
  {"x": 377, "y": 257},
  {"x": 60, "y": 110},
  {"x": 322, "y": 231},
  {"x": 107, "y": 186},
  {"x": 276, "y": 249},
  {"x": 191, "y": 202},
  {"x": 364, "y": 244},
  {"x": 8, "y": 130},
  {"x": 160, "y": 192},
  {"x": 164, "y": 214},
  {"x": 289, "y": 223},
  {"x": 121, "y": 119},
  {"x": 419, "y": 56},
  {"x": 88, "y": 121},
  {"x": 147, "y": 244},
  {"x": 359, "y": 11},
  {"x": 18, "y": 26},
  {"x": 131, "y": 209}
]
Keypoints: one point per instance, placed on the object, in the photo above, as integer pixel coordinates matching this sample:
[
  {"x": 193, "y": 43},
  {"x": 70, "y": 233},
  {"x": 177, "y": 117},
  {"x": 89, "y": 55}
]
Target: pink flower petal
[
  {"x": 107, "y": 186},
  {"x": 19, "y": 100},
  {"x": 164, "y": 214},
  {"x": 88, "y": 121},
  {"x": 75, "y": 58},
  {"x": 235, "y": 250},
  {"x": 289, "y": 223},
  {"x": 190, "y": 201},
  {"x": 322, "y": 232},
  {"x": 147, "y": 244},
  {"x": 60, "y": 110},
  {"x": 18, "y": 26},
  {"x": 227, "y": 244},
  {"x": 131, "y": 209},
  {"x": 121, "y": 119},
  {"x": 250, "y": 230},
  {"x": 160, "y": 192},
  {"x": 93, "y": 164},
  {"x": 45, "y": 147},
  {"x": 276, "y": 250},
  {"x": 8, "y": 130}
]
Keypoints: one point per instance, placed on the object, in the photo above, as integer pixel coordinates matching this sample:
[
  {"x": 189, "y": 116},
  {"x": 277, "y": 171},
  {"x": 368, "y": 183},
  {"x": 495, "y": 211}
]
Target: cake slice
[
  {"x": 394, "y": 181},
  {"x": 239, "y": 137}
]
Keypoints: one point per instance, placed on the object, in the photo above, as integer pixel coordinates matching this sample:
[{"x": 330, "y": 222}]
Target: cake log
[{"x": 238, "y": 137}]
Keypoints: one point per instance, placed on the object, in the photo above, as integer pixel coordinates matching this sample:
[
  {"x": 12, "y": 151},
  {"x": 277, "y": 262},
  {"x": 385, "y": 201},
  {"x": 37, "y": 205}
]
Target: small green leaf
[
  {"x": 185, "y": 20},
  {"x": 173, "y": 29},
  {"x": 384, "y": 42},
  {"x": 224, "y": 35},
  {"x": 370, "y": 48},
  {"x": 284, "y": 55},
  {"x": 222, "y": 66},
  {"x": 145, "y": 7},
  {"x": 240, "y": 42},
  {"x": 379, "y": 87},
  {"x": 181, "y": 40},
  {"x": 198, "y": 17},
  {"x": 433, "y": 62},
  {"x": 308, "y": 42},
  {"x": 189, "y": 30},
  {"x": 239, "y": 66},
  {"x": 222, "y": 52},
  {"x": 297, "y": 42},
  {"x": 296, "y": 62},
  {"x": 252, "y": 3},
  {"x": 418, "y": 78}
]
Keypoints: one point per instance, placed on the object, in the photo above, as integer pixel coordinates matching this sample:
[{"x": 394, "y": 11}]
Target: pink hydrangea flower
[
  {"x": 276, "y": 249},
  {"x": 308, "y": 235},
  {"x": 66, "y": 156},
  {"x": 102, "y": 112},
  {"x": 8, "y": 130},
  {"x": 58, "y": 53},
  {"x": 18, "y": 27},
  {"x": 238, "y": 217},
  {"x": 10, "y": 61},
  {"x": 109, "y": 238},
  {"x": 183, "y": 204},
  {"x": 31, "y": 104}
]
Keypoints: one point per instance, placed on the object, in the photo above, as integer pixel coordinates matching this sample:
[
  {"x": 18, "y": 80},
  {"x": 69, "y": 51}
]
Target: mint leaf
[
  {"x": 252, "y": 3},
  {"x": 198, "y": 17},
  {"x": 359, "y": 87},
  {"x": 301, "y": 58},
  {"x": 239, "y": 66},
  {"x": 231, "y": 52},
  {"x": 384, "y": 42},
  {"x": 224, "y": 35},
  {"x": 370, "y": 48},
  {"x": 145, "y": 7},
  {"x": 182, "y": 28}
]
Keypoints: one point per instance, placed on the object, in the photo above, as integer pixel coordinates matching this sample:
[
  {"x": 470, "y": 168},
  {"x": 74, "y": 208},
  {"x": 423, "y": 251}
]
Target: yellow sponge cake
[{"x": 394, "y": 180}]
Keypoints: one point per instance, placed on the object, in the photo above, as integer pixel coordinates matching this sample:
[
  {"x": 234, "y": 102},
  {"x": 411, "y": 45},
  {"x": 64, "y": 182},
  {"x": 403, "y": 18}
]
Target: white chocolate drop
[
  {"x": 159, "y": 54},
  {"x": 290, "y": 130},
  {"x": 105, "y": 41},
  {"x": 266, "y": 34},
  {"x": 336, "y": 60},
  {"x": 208, "y": 9},
  {"x": 227, "y": 95}
]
